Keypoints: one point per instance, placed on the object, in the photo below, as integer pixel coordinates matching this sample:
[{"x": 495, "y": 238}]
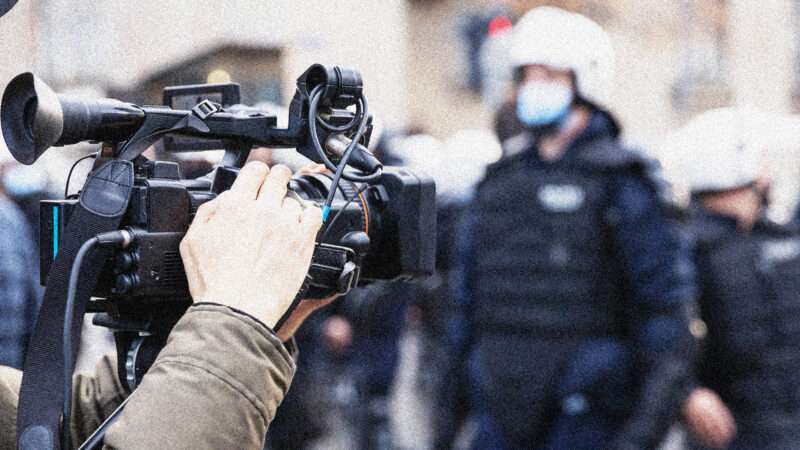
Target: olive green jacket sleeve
[
  {"x": 216, "y": 384},
  {"x": 94, "y": 397}
]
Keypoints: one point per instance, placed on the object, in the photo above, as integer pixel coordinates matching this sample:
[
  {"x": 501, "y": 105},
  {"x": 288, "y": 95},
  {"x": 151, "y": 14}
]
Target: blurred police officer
[
  {"x": 750, "y": 273},
  {"x": 457, "y": 165},
  {"x": 19, "y": 285},
  {"x": 575, "y": 282}
]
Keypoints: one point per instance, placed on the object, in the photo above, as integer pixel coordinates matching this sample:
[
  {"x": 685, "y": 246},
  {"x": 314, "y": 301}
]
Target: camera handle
[{"x": 157, "y": 125}]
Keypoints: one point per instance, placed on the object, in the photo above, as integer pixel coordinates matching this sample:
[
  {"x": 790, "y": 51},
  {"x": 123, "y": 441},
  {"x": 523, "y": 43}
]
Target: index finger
[
  {"x": 249, "y": 180},
  {"x": 274, "y": 188}
]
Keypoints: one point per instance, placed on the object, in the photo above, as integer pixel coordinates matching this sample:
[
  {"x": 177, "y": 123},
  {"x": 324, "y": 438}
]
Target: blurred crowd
[{"x": 585, "y": 295}]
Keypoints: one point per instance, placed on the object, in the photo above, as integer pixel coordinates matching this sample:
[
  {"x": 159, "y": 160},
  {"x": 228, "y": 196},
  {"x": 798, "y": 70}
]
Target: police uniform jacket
[{"x": 558, "y": 257}]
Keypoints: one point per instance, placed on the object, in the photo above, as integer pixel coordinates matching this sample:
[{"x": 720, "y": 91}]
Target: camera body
[
  {"x": 368, "y": 234},
  {"x": 380, "y": 220}
]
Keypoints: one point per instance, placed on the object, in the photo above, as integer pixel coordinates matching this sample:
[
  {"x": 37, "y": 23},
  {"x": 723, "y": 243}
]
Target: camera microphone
[{"x": 360, "y": 158}]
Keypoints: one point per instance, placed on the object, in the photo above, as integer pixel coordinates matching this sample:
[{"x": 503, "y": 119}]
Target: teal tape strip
[{"x": 55, "y": 232}]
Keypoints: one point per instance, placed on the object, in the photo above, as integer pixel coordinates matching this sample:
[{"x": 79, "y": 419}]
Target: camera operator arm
[
  {"x": 230, "y": 270},
  {"x": 220, "y": 369},
  {"x": 382, "y": 229}
]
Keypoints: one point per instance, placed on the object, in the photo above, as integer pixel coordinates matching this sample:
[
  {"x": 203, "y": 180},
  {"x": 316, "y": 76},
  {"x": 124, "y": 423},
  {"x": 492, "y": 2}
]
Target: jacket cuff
[{"x": 235, "y": 347}]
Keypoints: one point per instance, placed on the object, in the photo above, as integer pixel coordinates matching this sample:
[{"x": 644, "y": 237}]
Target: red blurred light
[{"x": 498, "y": 25}]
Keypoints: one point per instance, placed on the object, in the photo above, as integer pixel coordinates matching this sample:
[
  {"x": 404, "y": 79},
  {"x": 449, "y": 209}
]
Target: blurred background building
[
  {"x": 418, "y": 57},
  {"x": 421, "y": 59}
]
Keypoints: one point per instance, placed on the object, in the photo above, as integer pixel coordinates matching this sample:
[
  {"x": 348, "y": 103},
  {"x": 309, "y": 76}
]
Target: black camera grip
[{"x": 333, "y": 271}]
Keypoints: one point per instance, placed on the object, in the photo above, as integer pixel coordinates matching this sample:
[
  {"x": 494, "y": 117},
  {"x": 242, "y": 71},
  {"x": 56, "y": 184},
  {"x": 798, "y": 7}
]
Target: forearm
[
  {"x": 661, "y": 276},
  {"x": 667, "y": 353},
  {"x": 216, "y": 384},
  {"x": 94, "y": 397},
  {"x": 665, "y": 356},
  {"x": 662, "y": 392}
]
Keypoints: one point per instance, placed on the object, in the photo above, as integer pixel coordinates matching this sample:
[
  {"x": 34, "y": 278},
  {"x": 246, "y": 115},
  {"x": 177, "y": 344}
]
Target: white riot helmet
[
  {"x": 717, "y": 150},
  {"x": 465, "y": 156},
  {"x": 456, "y": 164},
  {"x": 566, "y": 41}
]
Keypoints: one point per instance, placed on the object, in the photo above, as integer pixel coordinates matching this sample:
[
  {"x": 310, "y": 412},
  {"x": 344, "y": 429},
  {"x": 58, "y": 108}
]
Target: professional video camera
[{"x": 379, "y": 221}]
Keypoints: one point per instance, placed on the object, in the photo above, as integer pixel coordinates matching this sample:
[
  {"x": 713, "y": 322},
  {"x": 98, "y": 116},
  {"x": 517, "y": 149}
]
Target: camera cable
[
  {"x": 71, "y": 169},
  {"x": 339, "y": 213},
  {"x": 361, "y": 117},
  {"x": 120, "y": 238},
  {"x": 339, "y": 170},
  {"x": 337, "y": 176}
]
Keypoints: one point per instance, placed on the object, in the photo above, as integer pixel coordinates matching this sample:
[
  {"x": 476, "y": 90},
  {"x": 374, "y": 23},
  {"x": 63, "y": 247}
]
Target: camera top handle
[{"x": 34, "y": 118}]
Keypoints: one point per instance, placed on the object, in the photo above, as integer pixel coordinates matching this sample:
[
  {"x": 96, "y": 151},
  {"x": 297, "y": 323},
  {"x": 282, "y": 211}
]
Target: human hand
[
  {"x": 312, "y": 169},
  {"x": 709, "y": 420},
  {"x": 306, "y": 306},
  {"x": 251, "y": 247}
]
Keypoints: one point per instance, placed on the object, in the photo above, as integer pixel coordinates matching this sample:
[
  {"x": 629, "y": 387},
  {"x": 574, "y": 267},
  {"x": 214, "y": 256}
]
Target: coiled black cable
[
  {"x": 75, "y": 164},
  {"x": 363, "y": 118}
]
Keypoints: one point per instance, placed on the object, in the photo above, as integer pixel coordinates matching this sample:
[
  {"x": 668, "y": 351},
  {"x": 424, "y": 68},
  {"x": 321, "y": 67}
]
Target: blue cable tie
[{"x": 325, "y": 211}]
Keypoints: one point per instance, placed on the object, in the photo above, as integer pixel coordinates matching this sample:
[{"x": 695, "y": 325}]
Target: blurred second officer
[{"x": 749, "y": 270}]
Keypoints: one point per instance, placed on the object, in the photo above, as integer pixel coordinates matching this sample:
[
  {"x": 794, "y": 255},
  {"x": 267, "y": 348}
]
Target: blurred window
[
  {"x": 702, "y": 83},
  {"x": 257, "y": 69},
  {"x": 474, "y": 29},
  {"x": 796, "y": 15}
]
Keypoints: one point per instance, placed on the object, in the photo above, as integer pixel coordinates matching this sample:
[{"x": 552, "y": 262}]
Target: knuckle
[
  {"x": 254, "y": 169},
  {"x": 269, "y": 211},
  {"x": 257, "y": 165},
  {"x": 221, "y": 197},
  {"x": 293, "y": 209},
  {"x": 282, "y": 170},
  {"x": 191, "y": 239}
]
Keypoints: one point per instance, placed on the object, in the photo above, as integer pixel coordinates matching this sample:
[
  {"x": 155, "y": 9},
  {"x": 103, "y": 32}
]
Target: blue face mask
[{"x": 541, "y": 104}]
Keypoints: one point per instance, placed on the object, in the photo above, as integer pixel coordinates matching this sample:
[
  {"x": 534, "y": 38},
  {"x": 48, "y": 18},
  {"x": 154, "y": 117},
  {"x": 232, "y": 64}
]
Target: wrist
[
  {"x": 218, "y": 335},
  {"x": 263, "y": 308},
  {"x": 293, "y": 322}
]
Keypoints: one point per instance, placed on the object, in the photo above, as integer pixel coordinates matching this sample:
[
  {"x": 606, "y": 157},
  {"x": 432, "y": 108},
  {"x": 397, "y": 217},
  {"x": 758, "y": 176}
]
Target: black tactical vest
[
  {"x": 751, "y": 303},
  {"x": 546, "y": 278},
  {"x": 545, "y": 262}
]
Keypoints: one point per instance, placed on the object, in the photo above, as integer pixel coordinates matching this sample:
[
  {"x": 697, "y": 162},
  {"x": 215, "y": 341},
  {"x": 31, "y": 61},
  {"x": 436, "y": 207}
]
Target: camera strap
[{"x": 103, "y": 202}]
